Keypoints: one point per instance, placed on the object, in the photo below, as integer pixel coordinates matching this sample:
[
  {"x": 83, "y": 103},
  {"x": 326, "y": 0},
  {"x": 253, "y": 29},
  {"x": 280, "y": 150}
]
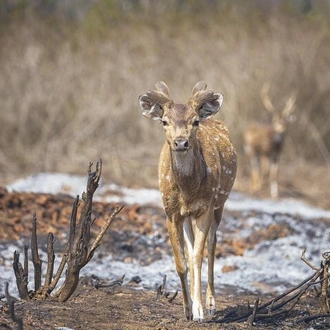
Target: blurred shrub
[{"x": 70, "y": 82}]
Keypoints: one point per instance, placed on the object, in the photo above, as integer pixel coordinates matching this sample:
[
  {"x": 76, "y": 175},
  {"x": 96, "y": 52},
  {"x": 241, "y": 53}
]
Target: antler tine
[
  {"x": 289, "y": 106},
  {"x": 265, "y": 98},
  {"x": 200, "y": 86},
  {"x": 200, "y": 94},
  {"x": 162, "y": 88},
  {"x": 161, "y": 95}
]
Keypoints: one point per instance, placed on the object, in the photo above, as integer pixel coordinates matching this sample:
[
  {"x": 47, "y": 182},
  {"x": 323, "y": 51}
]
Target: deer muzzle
[{"x": 181, "y": 144}]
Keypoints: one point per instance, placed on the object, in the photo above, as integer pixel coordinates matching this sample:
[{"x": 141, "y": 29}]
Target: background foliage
[{"x": 71, "y": 73}]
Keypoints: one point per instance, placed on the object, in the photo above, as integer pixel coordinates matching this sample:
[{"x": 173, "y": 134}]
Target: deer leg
[
  {"x": 201, "y": 232},
  {"x": 212, "y": 241},
  {"x": 175, "y": 231},
  {"x": 274, "y": 179},
  {"x": 265, "y": 168},
  {"x": 255, "y": 173},
  {"x": 189, "y": 241}
]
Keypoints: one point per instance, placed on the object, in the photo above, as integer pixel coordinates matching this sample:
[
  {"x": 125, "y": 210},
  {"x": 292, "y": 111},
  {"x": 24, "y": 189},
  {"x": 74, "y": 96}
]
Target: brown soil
[
  {"x": 128, "y": 308},
  {"x": 125, "y": 306}
]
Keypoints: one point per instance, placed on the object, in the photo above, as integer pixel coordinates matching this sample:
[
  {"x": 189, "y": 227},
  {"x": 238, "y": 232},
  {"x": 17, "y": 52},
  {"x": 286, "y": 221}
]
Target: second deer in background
[{"x": 263, "y": 143}]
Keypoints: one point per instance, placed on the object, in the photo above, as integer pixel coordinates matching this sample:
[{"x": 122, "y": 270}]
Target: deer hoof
[{"x": 211, "y": 312}]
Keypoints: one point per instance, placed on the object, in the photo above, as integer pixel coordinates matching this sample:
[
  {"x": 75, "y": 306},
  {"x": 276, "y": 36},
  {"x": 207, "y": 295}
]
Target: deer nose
[{"x": 181, "y": 144}]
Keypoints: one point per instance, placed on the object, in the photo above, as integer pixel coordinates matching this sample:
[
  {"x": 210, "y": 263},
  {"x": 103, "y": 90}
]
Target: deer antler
[
  {"x": 200, "y": 95},
  {"x": 161, "y": 95},
  {"x": 289, "y": 106},
  {"x": 265, "y": 98},
  {"x": 200, "y": 86}
]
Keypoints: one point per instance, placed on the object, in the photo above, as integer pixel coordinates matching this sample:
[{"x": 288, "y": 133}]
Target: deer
[
  {"x": 196, "y": 170},
  {"x": 263, "y": 143}
]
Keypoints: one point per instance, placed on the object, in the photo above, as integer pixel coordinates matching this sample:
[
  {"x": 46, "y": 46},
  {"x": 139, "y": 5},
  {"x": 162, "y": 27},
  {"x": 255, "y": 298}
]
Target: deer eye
[{"x": 196, "y": 123}]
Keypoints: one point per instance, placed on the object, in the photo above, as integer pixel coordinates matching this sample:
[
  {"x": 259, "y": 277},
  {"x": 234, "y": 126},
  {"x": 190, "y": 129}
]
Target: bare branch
[
  {"x": 160, "y": 291},
  {"x": 51, "y": 259},
  {"x": 309, "y": 318},
  {"x": 26, "y": 259},
  {"x": 37, "y": 262},
  {"x": 102, "y": 232},
  {"x": 96, "y": 282},
  {"x": 73, "y": 222},
  {"x": 58, "y": 272},
  {"x": 325, "y": 284},
  {"x": 303, "y": 258},
  {"x": 21, "y": 277},
  {"x": 44, "y": 290},
  {"x": 11, "y": 303},
  {"x": 251, "y": 318},
  {"x": 285, "y": 302}
]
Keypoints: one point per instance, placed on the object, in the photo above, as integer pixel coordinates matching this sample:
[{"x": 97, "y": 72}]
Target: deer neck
[{"x": 189, "y": 169}]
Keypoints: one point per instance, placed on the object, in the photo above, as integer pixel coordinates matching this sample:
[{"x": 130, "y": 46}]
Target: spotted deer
[
  {"x": 197, "y": 169},
  {"x": 263, "y": 143}
]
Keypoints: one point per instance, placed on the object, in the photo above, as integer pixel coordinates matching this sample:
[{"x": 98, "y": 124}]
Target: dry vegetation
[{"x": 69, "y": 87}]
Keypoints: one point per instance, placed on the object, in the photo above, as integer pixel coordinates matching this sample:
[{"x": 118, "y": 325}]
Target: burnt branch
[
  {"x": 104, "y": 229},
  {"x": 37, "y": 262},
  {"x": 21, "y": 277},
  {"x": 79, "y": 238},
  {"x": 303, "y": 258},
  {"x": 275, "y": 307},
  {"x": 26, "y": 260},
  {"x": 251, "y": 318},
  {"x": 310, "y": 318},
  {"x": 45, "y": 290},
  {"x": 161, "y": 292},
  {"x": 11, "y": 302},
  {"x": 325, "y": 283},
  {"x": 50, "y": 258},
  {"x": 79, "y": 250},
  {"x": 284, "y": 303},
  {"x": 97, "y": 283}
]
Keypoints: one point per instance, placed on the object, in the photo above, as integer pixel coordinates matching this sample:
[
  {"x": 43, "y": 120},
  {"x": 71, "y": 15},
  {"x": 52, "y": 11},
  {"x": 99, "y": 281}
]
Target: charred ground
[{"x": 130, "y": 237}]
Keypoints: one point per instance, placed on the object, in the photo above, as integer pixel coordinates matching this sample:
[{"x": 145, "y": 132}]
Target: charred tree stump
[{"x": 78, "y": 253}]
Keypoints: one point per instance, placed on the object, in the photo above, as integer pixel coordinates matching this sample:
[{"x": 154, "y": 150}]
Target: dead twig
[
  {"x": 285, "y": 302},
  {"x": 310, "y": 318},
  {"x": 325, "y": 283},
  {"x": 11, "y": 302},
  {"x": 303, "y": 258},
  {"x": 251, "y": 318},
  {"x": 102, "y": 232},
  {"x": 98, "y": 283},
  {"x": 160, "y": 291}
]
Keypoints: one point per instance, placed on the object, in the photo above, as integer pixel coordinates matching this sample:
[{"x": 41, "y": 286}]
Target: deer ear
[
  {"x": 210, "y": 107},
  {"x": 150, "y": 108}
]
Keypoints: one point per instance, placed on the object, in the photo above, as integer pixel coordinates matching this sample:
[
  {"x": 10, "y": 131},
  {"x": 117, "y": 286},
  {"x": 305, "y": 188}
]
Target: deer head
[
  {"x": 180, "y": 121},
  {"x": 280, "y": 119}
]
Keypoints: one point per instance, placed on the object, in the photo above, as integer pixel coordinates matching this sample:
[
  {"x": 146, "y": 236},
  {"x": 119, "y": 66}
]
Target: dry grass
[{"x": 69, "y": 91}]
